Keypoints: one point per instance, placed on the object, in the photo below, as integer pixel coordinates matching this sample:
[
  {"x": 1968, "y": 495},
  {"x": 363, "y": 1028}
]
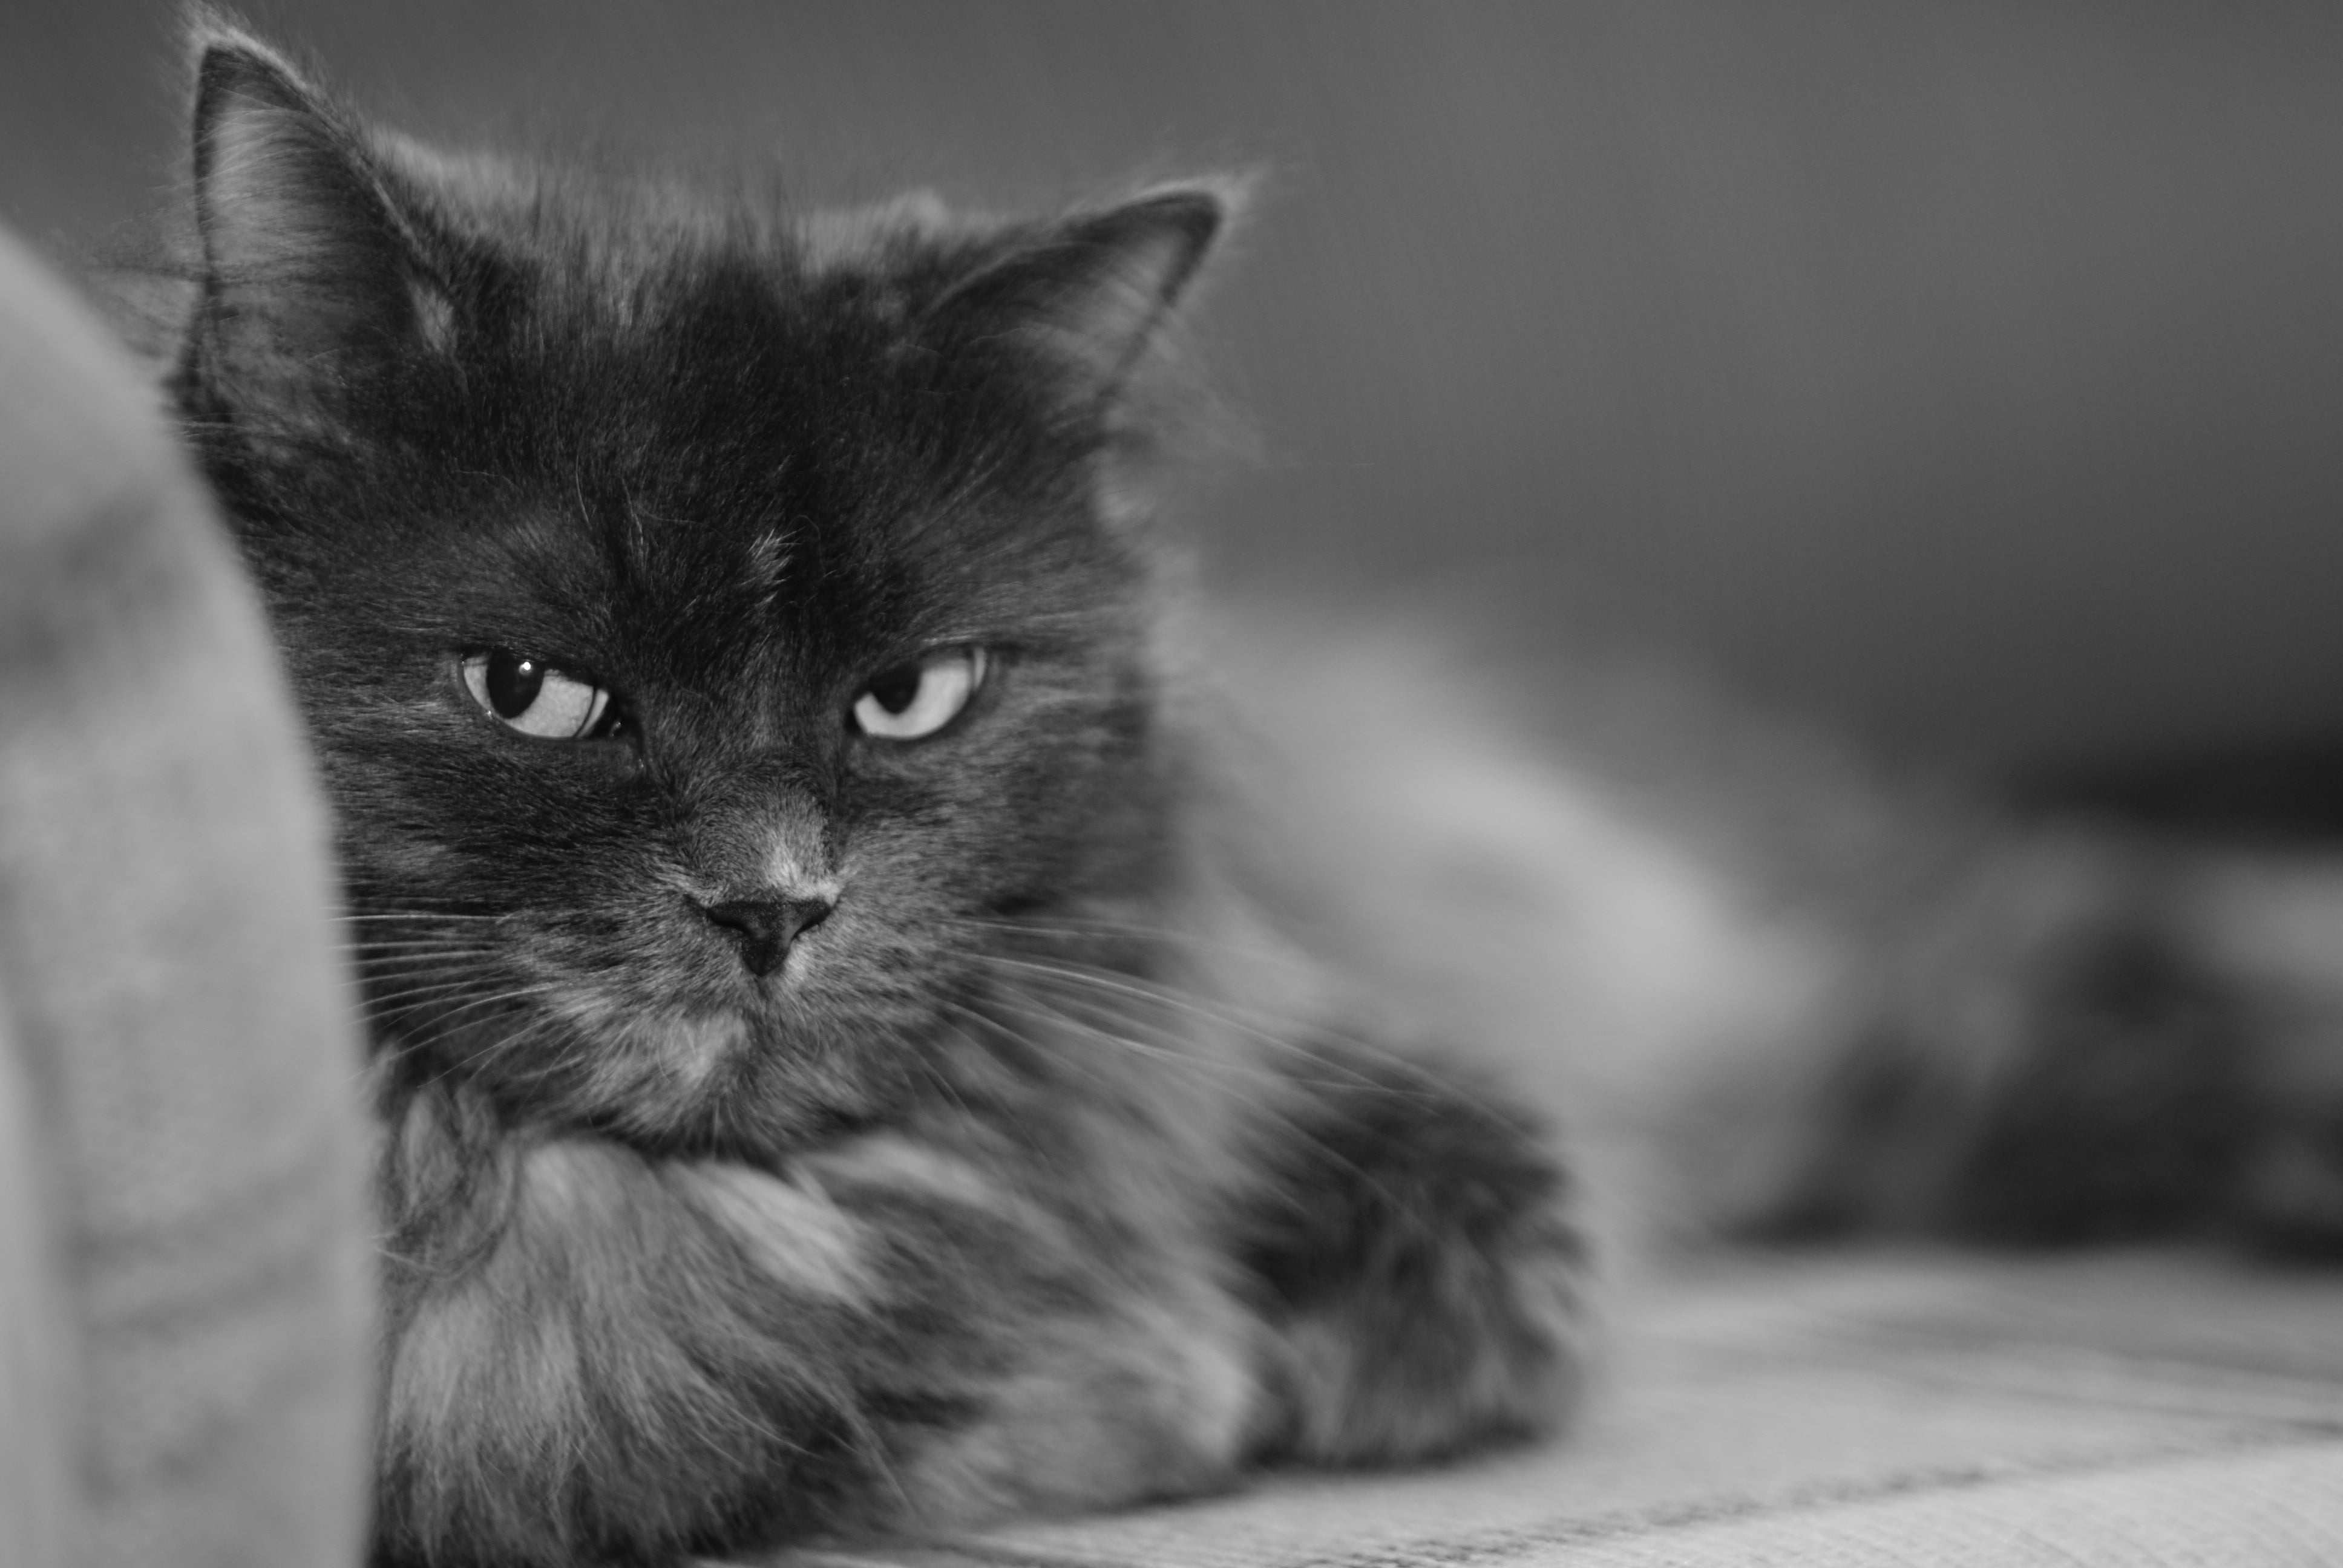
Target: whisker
[
  {"x": 352, "y": 915},
  {"x": 1316, "y": 1140},
  {"x": 504, "y": 1045},
  {"x": 1313, "y": 1039},
  {"x": 1127, "y": 988},
  {"x": 1317, "y": 1043},
  {"x": 403, "y": 999},
  {"x": 1090, "y": 927},
  {"x": 438, "y": 1022},
  {"x": 392, "y": 963},
  {"x": 1040, "y": 1011}
]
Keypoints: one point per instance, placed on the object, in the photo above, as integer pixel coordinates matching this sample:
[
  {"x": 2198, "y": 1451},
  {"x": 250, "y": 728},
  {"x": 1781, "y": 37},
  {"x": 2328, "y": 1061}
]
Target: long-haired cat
[
  {"x": 844, "y": 1059},
  {"x": 829, "y": 1077}
]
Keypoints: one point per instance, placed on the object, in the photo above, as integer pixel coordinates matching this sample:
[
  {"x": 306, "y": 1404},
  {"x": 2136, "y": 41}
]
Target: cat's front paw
[{"x": 1424, "y": 1279}]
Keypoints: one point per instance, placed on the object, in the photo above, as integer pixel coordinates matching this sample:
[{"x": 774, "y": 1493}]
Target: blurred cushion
[{"x": 182, "y": 1264}]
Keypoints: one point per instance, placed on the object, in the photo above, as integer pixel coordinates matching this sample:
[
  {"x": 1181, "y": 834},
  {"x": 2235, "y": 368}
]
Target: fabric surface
[
  {"x": 183, "y": 1363},
  {"x": 2125, "y": 1410}
]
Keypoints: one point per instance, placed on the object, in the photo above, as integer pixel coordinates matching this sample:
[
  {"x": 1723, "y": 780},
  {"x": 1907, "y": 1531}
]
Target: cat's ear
[
  {"x": 1093, "y": 292},
  {"x": 308, "y": 257}
]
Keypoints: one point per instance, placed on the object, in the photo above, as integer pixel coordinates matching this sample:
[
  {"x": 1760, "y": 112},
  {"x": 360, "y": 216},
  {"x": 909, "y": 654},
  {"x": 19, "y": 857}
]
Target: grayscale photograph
[{"x": 1233, "y": 784}]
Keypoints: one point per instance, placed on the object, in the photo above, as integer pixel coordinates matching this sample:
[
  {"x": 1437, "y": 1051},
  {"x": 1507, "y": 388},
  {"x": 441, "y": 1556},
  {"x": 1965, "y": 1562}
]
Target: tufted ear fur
[
  {"x": 310, "y": 260},
  {"x": 1093, "y": 291}
]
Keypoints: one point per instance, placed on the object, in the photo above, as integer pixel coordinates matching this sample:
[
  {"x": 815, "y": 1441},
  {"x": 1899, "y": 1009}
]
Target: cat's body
[
  {"x": 1774, "y": 992},
  {"x": 848, "y": 1054}
]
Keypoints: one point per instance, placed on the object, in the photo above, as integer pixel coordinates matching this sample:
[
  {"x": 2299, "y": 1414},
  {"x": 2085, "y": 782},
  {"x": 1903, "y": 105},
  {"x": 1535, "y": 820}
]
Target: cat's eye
[
  {"x": 912, "y": 701},
  {"x": 529, "y": 695}
]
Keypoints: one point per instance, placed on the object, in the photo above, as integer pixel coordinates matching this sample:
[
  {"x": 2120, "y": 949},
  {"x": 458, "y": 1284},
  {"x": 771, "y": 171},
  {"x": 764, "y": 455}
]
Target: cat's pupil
[
  {"x": 513, "y": 683},
  {"x": 896, "y": 689}
]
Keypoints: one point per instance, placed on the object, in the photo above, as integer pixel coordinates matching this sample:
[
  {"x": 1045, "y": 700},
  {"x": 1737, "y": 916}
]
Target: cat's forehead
[
  {"x": 760, "y": 408},
  {"x": 644, "y": 263},
  {"x": 738, "y": 477},
  {"x": 718, "y": 364}
]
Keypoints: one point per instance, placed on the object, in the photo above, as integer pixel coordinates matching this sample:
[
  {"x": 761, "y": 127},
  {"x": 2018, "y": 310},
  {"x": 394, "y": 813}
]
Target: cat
[
  {"x": 854, "y": 1048},
  {"x": 829, "y": 1079}
]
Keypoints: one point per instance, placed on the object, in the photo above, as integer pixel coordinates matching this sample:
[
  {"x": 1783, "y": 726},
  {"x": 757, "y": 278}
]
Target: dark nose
[{"x": 763, "y": 929}]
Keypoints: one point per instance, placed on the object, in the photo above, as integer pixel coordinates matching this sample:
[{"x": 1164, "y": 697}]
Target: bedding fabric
[{"x": 2133, "y": 1411}]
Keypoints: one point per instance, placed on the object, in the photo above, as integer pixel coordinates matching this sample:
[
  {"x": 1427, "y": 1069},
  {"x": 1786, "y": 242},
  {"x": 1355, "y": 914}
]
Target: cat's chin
[
  {"x": 691, "y": 1050},
  {"x": 745, "y": 1085}
]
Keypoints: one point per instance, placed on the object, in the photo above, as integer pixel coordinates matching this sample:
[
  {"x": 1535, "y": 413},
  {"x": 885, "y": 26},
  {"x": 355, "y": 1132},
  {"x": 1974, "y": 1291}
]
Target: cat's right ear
[
  {"x": 308, "y": 257},
  {"x": 1091, "y": 295}
]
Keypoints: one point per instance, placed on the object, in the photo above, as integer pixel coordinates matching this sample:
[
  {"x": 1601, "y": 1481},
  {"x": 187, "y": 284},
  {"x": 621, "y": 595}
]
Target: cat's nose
[{"x": 763, "y": 929}]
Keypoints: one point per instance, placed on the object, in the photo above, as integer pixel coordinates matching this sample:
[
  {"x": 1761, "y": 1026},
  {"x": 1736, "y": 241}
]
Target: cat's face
[{"x": 707, "y": 623}]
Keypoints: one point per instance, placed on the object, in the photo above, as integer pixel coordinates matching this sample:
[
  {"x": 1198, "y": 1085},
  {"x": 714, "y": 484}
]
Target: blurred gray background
[{"x": 1970, "y": 376}]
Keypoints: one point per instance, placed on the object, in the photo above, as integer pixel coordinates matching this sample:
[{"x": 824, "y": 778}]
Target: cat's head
[{"x": 709, "y": 616}]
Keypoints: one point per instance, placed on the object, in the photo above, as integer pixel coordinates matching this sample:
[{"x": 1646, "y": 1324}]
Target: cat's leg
[
  {"x": 1107, "y": 1360},
  {"x": 597, "y": 1356},
  {"x": 1420, "y": 1266}
]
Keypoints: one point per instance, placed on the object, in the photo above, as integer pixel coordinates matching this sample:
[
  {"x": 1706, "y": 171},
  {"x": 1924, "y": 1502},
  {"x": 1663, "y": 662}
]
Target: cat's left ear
[{"x": 1093, "y": 292}]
